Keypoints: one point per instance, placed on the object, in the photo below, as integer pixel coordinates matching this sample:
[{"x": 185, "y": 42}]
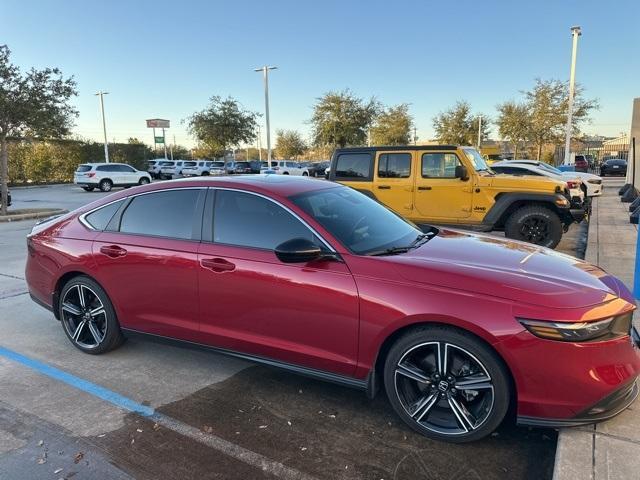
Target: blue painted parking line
[{"x": 76, "y": 382}]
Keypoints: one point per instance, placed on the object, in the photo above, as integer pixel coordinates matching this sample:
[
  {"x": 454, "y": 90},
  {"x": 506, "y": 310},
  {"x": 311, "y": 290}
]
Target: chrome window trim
[{"x": 287, "y": 209}]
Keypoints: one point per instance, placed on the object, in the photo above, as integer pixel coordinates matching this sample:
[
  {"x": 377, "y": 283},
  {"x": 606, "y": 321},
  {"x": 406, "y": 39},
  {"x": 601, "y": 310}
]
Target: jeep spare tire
[{"x": 535, "y": 224}]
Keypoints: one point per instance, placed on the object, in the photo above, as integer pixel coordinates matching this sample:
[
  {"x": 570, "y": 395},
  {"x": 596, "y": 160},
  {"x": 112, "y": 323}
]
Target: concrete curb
[
  {"x": 43, "y": 213},
  {"x": 39, "y": 185}
]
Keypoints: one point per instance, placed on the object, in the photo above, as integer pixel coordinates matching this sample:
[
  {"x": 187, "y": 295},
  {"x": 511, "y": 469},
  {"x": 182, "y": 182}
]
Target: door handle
[
  {"x": 384, "y": 187},
  {"x": 424, "y": 188},
  {"x": 113, "y": 251},
  {"x": 217, "y": 264}
]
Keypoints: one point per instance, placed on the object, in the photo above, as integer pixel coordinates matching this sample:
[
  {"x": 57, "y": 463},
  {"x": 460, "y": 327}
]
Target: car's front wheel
[
  {"x": 446, "y": 384},
  {"x": 106, "y": 185},
  {"x": 88, "y": 317},
  {"x": 537, "y": 225}
]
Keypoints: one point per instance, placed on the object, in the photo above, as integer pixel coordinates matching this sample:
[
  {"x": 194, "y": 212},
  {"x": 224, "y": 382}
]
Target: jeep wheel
[{"x": 537, "y": 225}]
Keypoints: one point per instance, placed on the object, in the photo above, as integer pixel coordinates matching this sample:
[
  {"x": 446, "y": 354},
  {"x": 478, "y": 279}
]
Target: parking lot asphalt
[{"x": 64, "y": 414}]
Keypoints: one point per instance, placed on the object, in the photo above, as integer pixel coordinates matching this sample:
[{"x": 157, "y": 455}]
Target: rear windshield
[
  {"x": 151, "y": 162},
  {"x": 190, "y": 164},
  {"x": 242, "y": 164},
  {"x": 83, "y": 168},
  {"x": 166, "y": 164},
  {"x": 217, "y": 164}
]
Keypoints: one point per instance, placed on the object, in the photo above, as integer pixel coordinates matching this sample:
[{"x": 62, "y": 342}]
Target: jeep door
[
  {"x": 439, "y": 195},
  {"x": 393, "y": 180}
]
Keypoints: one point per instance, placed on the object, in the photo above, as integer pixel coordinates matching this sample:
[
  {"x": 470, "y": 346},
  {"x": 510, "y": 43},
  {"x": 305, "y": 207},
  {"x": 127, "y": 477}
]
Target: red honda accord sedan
[{"x": 317, "y": 278}]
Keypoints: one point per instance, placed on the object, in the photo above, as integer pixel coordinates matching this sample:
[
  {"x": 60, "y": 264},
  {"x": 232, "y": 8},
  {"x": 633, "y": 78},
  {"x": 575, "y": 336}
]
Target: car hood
[{"x": 508, "y": 269}]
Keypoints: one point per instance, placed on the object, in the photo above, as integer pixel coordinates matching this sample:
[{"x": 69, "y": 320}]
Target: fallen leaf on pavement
[{"x": 79, "y": 456}]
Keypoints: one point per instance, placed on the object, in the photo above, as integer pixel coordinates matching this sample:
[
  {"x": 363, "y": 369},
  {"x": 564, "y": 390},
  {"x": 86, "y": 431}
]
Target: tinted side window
[
  {"x": 106, "y": 168},
  {"x": 394, "y": 165},
  {"x": 125, "y": 168},
  {"x": 83, "y": 168},
  {"x": 166, "y": 214},
  {"x": 99, "y": 219},
  {"x": 354, "y": 166},
  {"x": 248, "y": 220},
  {"x": 439, "y": 165}
]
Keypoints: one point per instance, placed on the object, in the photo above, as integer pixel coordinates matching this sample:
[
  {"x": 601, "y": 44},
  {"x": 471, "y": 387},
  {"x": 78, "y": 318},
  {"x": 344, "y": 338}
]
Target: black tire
[
  {"x": 143, "y": 181},
  {"x": 286, "y": 173},
  {"x": 106, "y": 185},
  {"x": 428, "y": 407},
  {"x": 535, "y": 224},
  {"x": 103, "y": 323},
  {"x": 88, "y": 189},
  {"x": 205, "y": 174},
  {"x": 305, "y": 174}
]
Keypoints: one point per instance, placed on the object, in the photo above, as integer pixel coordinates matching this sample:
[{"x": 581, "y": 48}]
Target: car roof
[
  {"x": 398, "y": 147},
  {"x": 97, "y": 164}
]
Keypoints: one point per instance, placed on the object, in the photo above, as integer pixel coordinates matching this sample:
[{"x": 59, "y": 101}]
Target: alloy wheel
[
  {"x": 84, "y": 316},
  {"x": 444, "y": 388}
]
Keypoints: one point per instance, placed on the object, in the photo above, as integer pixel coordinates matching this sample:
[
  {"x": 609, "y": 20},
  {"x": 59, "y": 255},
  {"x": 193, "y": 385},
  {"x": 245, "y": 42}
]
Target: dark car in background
[
  {"x": 613, "y": 166},
  {"x": 242, "y": 167},
  {"x": 316, "y": 169}
]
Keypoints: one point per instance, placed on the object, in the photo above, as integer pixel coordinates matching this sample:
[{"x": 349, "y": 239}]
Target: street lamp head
[
  {"x": 262, "y": 69},
  {"x": 576, "y": 30},
  {"x": 101, "y": 93}
]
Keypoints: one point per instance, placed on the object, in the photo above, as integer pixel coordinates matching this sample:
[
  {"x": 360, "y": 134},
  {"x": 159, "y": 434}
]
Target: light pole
[
  {"x": 265, "y": 73},
  {"x": 575, "y": 33},
  {"x": 479, "y": 131},
  {"x": 101, "y": 94},
  {"x": 260, "y": 147}
]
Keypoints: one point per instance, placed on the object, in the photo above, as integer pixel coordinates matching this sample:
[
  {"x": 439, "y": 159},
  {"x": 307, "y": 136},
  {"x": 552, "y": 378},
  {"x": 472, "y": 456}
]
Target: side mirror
[
  {"x": 461, "y": 173},
  {"x": 298, "y": 250}
]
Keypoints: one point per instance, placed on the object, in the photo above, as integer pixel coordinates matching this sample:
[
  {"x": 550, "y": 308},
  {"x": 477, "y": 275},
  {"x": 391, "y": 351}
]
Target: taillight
[{"x": 91, "y": 175}]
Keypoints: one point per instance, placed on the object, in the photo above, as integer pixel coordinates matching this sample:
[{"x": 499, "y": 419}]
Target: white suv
[
  {"x": 105, "y": 176},
  {"x": 287, "y": 167},
  {"x": 153, "y": 167},
  {"x": 202, "y": 168},
  {"x": 169, "y": 168}
]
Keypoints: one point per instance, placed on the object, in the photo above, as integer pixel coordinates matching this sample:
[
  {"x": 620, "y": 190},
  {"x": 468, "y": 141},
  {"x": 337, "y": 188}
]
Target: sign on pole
[
  {"x": 159, "y": 139},
  {"x": 157, "y": 123}
]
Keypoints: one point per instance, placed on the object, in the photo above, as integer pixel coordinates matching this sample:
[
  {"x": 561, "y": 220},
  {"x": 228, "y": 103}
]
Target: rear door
[
  {"x": 393, "y": 183},
  {"x": 147, "y": 261},
  {"x": 439, "y": 195}
]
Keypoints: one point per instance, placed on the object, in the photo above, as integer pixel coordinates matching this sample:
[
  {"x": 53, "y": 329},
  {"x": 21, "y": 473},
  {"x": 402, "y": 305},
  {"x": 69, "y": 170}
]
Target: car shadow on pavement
[{"x": 320, "y": 429}]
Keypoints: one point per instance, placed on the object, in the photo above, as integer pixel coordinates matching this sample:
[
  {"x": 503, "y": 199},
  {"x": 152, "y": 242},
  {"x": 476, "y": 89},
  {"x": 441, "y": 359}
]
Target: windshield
[
  {"x": 476, "y": 159},
  {"x": 549, "y": 168},
  {"x": 363, "y": 225}
]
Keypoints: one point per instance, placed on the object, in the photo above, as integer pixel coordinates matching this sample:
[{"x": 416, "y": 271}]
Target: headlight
[
  {"x": 604, "y": 329},
  {"x": 594, "y": 181}
]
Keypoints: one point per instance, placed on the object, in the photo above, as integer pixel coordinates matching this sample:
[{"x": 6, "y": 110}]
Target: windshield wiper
[{"x": 421, "y": 239}]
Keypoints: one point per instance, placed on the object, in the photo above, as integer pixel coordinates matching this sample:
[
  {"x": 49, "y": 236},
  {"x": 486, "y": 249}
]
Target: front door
[
  {"x": 439, "y": 195},
  {"x": 393, "y": 183},
  {"x": 250, "y": 301}
]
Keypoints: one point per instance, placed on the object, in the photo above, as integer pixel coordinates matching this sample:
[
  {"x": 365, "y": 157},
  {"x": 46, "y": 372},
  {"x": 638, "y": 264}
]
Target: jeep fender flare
[{"x": 505, "y": 200}]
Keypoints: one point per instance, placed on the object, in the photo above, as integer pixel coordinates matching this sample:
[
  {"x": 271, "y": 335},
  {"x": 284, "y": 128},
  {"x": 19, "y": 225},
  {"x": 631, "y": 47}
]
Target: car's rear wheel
[
  {"x": 143, "y": 181},
  {"x": 285, "y": 173},
  {"x": 305, "y": 174},
  {"x": 205, "y": 174},
  {"x": 446, "y": 384},
  {"x": 88, "y": 317},
  {"x": 106, "y": 185},
  {"x": 537, "y": 225},
  {"x": 88, "y": 189}
]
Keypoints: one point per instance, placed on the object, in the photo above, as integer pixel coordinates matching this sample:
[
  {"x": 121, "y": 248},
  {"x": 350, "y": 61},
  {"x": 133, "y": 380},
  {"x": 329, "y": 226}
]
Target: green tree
[
  {"x": 393, "y": 126},
  {"x": 289, "y": 144},
  {"x": 341, "y": 118},
  {"x": 547, "y": 103},
  {"x": 514, "y": 123},
  {"x": 222, "y": 125},
  {"x": 35, "y": 104},
  {"x": 458, "y": 126}
]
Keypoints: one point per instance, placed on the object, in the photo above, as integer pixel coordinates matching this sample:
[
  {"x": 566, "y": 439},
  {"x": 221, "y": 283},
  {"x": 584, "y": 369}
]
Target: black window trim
[
  {"x": 114, "y": 224},
  {"x": 210, "y": 207},
  {"x": 443, "y": 152}
]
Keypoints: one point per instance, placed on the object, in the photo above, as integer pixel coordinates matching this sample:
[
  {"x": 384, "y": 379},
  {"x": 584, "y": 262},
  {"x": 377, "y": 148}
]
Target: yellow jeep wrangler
[{"x": 452, "y": 185}]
